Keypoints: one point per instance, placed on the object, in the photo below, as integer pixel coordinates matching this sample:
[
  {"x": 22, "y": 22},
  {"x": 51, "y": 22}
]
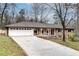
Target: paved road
[{"x": 35, "y": 46}]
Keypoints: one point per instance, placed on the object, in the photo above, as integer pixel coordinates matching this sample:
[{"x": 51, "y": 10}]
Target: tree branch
[{"x": 69, "y": 21}]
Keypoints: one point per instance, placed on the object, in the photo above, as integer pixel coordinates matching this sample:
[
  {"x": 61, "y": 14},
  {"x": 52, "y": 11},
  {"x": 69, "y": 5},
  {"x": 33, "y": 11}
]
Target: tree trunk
[
  {"x": 3, "y": 13},
  {"x": 64, "y": 33}
]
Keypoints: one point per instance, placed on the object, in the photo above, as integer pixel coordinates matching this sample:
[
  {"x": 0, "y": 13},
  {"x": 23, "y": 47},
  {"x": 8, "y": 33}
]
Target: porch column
[
  {"x": 49, "y": 31},
  {"x": 37, "y": 32},
  {"x": 41, "y": 31}
]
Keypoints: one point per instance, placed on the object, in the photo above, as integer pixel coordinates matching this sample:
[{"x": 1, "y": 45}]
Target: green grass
[
  {"x": 9, "y": 48},
  {"x": 68, "y": 43}
]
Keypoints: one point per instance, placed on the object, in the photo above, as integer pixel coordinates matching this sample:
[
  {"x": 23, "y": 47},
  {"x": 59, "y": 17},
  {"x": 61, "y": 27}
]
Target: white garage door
[{"x": 20, "y": 32}]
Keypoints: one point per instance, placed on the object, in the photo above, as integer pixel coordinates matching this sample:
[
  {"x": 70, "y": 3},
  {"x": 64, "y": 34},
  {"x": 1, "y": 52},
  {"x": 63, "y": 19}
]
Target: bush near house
[{"x": 72, "y": 36}]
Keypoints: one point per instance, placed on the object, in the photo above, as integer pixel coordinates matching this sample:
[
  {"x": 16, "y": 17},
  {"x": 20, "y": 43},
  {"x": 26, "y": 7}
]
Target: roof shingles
[{"x": 35, "y": 24}]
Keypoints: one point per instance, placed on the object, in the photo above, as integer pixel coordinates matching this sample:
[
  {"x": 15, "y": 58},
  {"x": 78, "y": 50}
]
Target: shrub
[{"x": 72, "y": 36}]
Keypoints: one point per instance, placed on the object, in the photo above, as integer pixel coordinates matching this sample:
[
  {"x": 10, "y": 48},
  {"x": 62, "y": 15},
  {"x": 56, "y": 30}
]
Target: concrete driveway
[{"x": 35, "y": 46}]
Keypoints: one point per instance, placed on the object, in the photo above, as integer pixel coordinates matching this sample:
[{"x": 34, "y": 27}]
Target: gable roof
[{"x": 35, "y": 25}]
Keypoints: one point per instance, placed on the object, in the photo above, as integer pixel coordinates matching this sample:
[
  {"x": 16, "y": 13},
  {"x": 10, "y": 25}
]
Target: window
[
  {"x": 69, "y": 30},
  {"x": 59, "y": 30},
  {"x": 35, "y": 32},
  {"x": 16, "y": 28},
  {"x": 47, "y": 31},
  {"x": 42, "y": 32}
]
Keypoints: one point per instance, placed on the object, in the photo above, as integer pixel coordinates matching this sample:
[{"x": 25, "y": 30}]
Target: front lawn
[
  {"x": 68, "y": 43},
  {"x": 9, "y": 48}
]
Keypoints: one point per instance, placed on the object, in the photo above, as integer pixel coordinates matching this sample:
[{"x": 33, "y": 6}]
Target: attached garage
[{"x": 20, "y": 32}]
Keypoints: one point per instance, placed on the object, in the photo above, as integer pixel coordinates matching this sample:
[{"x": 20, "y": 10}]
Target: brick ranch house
[{"x": 35, "y": 28}]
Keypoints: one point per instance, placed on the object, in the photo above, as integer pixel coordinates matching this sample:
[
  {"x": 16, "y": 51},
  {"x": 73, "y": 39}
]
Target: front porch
[
  {"x": 50, "y": 32},
  {"x": 43, "y": 31}
]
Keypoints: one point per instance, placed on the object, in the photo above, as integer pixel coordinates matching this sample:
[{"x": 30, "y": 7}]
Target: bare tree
[
  {"x": 13, "y": 11},
  {"x": 2, "y": 13},
  {"x": 41, "y": 12},
  {"x": 35, "y": 11},
  {"x": 76, "y": 6},
  {"x": 62, "y": 12},
  {"x": 7, "y": 18},
  {"x": 21, "y": 16},
  {"x": 5, "y": 14}
]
